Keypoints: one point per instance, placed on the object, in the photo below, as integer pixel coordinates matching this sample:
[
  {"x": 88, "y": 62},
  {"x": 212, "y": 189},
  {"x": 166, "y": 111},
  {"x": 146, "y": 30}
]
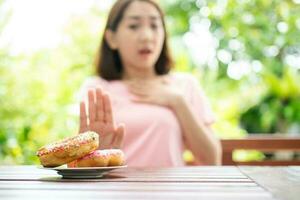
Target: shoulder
[{"x": 184, "y": 78}]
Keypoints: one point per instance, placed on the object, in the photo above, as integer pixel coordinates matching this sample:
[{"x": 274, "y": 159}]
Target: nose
[{"x": 146, "y": 34}]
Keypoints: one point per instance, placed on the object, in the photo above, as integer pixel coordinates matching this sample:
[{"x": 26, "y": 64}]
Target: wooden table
[{"x": 226, "y": 182}]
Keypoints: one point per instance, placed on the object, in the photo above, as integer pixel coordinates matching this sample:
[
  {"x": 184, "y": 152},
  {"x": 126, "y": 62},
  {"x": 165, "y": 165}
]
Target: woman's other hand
[
  {"x": 159, "y": 92},
  {"x": 100, "y": 120}
]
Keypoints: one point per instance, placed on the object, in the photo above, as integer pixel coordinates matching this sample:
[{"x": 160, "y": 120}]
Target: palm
[
  {"x": 105, "y": 131},
  {"x": 100, "y": 120},
  {"x": 102, "y": 128}
]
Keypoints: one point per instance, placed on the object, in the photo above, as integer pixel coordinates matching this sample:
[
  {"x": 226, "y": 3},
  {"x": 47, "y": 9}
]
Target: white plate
[{"x": 82, "y": 172}]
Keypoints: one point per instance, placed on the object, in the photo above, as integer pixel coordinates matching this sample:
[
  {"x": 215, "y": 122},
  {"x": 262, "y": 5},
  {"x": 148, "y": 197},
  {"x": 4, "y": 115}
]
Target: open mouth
[{"x": 145, "y": 51}]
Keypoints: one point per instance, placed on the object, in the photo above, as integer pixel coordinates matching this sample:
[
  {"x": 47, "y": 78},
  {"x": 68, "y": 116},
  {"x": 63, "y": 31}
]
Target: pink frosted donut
[
  {"x": 101, "y": 158},
  {"x": 98, "y": 158},
  {"x": 67, "y": 150},
  {"x": 116, "y": 157}
]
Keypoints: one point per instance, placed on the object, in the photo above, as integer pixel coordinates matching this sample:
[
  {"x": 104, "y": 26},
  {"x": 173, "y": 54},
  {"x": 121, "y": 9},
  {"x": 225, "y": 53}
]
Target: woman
[{"x": 162, "y": 113}]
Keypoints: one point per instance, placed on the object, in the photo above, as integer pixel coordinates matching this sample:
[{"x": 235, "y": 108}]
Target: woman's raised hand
[{"x": 100, "y": 120}]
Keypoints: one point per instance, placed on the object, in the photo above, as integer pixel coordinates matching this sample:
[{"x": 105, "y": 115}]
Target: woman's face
[{"x": 139, "y": 37}]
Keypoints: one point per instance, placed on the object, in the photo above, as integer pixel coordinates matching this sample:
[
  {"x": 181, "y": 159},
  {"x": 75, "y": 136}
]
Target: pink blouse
[{"x": 153, "y": 135}]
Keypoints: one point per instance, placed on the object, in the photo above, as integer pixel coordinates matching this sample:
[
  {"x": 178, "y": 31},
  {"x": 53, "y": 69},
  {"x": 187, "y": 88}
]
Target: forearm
[{"x": 200, "y": 139}]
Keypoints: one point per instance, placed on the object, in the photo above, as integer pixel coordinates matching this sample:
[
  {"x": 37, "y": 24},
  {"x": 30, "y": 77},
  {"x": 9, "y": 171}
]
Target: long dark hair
[{"x": 108, "y": 62}]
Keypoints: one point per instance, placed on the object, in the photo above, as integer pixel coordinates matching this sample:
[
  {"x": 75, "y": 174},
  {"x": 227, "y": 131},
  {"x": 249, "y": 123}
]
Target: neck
[{"x": 130, "y": 74}]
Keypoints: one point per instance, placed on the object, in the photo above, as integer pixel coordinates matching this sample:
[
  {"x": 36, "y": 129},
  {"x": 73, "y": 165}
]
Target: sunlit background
[{"x": 245, "y": 53}]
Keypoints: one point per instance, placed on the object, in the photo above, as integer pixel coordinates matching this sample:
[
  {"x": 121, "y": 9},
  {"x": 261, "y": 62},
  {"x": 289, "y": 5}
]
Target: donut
[
  {"x": 68, "y": 150},
  {"x": 116, "y": 157},
  {"x": 100, "y": 158}
]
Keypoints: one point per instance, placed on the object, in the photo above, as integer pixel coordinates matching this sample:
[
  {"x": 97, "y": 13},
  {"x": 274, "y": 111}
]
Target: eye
[
  {"x": 133, "y": 26},
  {"x": 154, "y": 26}
]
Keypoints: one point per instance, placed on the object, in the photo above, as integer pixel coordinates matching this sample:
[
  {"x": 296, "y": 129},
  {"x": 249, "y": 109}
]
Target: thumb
[{"x": 119, "y": 136}]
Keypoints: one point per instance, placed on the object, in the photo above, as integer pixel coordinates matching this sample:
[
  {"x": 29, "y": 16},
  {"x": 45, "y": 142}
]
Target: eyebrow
[{"x": 136, "y": 17}]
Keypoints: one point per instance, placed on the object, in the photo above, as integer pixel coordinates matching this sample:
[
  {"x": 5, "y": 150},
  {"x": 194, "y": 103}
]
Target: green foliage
[
  {"x": 38, "y": 92},
  {"x": 279, "y": 108},
  {"x": 263, "y": 34}
]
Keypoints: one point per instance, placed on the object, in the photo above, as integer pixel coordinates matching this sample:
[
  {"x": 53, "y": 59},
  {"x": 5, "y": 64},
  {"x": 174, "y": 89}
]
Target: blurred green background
[{"x": 245, "y": 53}]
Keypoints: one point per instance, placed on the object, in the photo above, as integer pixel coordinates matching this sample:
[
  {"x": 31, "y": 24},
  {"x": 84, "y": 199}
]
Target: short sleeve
[{"x": 199, "y": 102}]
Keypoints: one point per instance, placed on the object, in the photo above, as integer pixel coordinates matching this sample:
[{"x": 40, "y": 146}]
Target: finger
[
  {"x": 108, "y": 115},
  {"x": 119, "y": 137},
  {"x": 92, "y": 106},
  {"x": 82, "y": 118},
  {"x": 99, "y": 105}
]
